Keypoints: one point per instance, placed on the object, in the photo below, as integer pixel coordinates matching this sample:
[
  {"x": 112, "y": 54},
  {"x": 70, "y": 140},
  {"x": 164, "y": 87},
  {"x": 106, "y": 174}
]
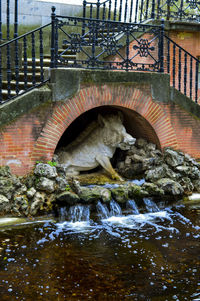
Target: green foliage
[
  {"x": 67, "y": 188},
  {"x": 52, "y": 163}
]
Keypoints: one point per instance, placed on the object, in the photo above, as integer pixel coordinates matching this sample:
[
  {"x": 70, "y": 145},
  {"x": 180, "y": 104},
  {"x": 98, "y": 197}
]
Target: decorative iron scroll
[{"x": 108, "y": 45}]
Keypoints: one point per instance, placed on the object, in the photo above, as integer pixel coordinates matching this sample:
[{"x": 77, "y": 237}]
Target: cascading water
[
  {"x": 132, "y": 207},
  {"x": 79, "y": 213},
  {"x": 115, "y": 209},
  {"x": 102, "y": 210},
  {"x": 150, "y": 205}
]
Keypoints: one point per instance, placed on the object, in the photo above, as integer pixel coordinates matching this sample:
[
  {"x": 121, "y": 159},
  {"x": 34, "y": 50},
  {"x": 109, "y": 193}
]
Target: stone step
[{"x": 13, "y": 84}]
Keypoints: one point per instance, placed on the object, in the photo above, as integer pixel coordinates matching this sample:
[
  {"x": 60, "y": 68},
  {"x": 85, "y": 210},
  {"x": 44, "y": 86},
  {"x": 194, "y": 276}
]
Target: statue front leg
[{"x": 105, "y": 163}]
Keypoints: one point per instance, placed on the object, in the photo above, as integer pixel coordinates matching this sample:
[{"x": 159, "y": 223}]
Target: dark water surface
[{"x": 148, "y": 256}]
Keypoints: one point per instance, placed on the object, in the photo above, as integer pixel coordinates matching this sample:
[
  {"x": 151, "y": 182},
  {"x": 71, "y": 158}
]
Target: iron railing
[
  {"x": 22, "y": 63},
  {"x": 183, "y": 69},
  {"x": 142, "y": 10},
  {"x": 174, "y": 10},
  {"x": 104, "y": 45},
  {"x": 9, "y": 17},
  {"x": 107, "y": 45}
]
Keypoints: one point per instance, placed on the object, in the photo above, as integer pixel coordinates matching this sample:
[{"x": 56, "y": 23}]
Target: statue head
[{"x": 115, "y": 133}]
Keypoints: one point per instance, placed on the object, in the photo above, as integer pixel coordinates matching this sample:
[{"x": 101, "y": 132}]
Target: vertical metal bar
[
  {"x": 115, "y": 11},
  {"x": 109, "y": 9},
  {"x": 84, "y": 15},
  {"x": 56, "y": 43},
  {"x": 53, "y": 17},
  {"x": 41, "y": 56},
  {"x": 131, "y": 12},
  {"x": 153, "y": 10},
  {"x": 174, "y": 65},
  {"x": 147, "y": 8},
  {"x": 25, "y": 62},
  {"x": 104, "y": 11},
  {"x": 91, "y": 7},
  {"x": 191, "y": 76},
  {"x": 8, "y": 72},
  {"x": 179, "y": 70},
  {"x": 16, "y": 20},
  {"x": 120, "y": 10},
  {"x": 125, "y": 11},
  {"x": 196, "y": 81},
  {"x": 168, "y": 10},
  {"x": 181, "y": 9},
  {"x": 0, "y": 77},
  {"x": 185, "y": 74},
  {"x": 98, "y": 8},
  {"x": 168, "y": 56},
  {"x": 161, "y": 46},
  {"x": 16, "y": 67},
  {"x": 127, "y": 49},
  {"x": 136, "y": 11},
  {"x": 0, "y": 22},
  {"x": 141, "y": 10},
  {"x": 158, "y": 9},
  {"x": 33, "y": 58},
  {"x": 8, "y": 19}
]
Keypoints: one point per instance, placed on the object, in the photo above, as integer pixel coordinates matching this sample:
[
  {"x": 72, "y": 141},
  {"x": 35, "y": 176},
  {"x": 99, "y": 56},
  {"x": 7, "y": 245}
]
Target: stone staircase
[{"x": 67, "y": 54}]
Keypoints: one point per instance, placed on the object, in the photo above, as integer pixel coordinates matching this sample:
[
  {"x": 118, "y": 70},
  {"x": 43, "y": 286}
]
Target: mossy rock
[
  {"x": 94, "y": 194},
  {"x": 136, "y": 191},
  {"x": 120, "y": 194},
  {"x": 68, "y": 197}
]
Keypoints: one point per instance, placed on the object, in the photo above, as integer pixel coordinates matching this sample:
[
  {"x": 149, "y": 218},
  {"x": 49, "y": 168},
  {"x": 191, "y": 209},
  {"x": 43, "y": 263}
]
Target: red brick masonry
[{"x": 34, "y": 136}]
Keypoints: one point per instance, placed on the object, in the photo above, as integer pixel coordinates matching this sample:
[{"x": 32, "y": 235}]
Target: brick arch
[{"x": 95, "y": 96}]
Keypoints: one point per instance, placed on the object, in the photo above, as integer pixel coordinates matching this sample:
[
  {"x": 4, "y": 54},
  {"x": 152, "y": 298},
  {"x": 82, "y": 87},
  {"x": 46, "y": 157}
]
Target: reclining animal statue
[{"x": 96, "y": 146}]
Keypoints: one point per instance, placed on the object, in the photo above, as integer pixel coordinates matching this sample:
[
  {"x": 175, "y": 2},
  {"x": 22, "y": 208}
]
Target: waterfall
[
  {"x": 102, "y": 210},
  {"x": 150, "y": 205},
  {"x": 62, "y": 214},
  {"x": 132, "y": 207},
  {"x": 79, "y": 213},
  {"x": 115, "y": 209}
]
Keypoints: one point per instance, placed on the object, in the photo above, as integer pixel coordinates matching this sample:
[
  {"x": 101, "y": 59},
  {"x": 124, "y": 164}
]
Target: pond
[{"x": 151, "y": 253}]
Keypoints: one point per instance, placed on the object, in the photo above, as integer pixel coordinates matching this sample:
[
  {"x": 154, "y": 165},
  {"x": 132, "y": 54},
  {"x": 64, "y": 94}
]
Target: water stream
[{"x": 120, "y": 254}]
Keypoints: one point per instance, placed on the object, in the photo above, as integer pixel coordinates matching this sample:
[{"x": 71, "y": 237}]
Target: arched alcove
[{"x": 135, "y": 124}]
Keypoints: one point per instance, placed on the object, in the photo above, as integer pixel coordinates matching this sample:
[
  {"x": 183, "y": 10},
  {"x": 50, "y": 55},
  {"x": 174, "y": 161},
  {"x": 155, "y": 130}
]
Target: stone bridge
[{"x": 33, "y": 125}]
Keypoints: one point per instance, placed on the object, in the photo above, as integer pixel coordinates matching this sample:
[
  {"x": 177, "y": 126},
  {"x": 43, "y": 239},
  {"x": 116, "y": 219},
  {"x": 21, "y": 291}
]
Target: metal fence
[
  {"x": 107, "y": 45},
  {"x": 10, "y": 5},
  {"x": 104, "y": 45},
  {"x": 22, "y": 63},
  {"x": 142, "y": 10}
]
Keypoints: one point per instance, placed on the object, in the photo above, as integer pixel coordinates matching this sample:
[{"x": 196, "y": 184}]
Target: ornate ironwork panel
[{"x": 108, "y": 45}]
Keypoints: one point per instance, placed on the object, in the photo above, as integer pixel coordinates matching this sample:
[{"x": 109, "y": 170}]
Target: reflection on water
[{"x": 153, "y": 255}]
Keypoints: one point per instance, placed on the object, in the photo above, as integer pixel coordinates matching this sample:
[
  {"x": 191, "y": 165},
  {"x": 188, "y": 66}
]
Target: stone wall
[{"x": 33, "y": 12}]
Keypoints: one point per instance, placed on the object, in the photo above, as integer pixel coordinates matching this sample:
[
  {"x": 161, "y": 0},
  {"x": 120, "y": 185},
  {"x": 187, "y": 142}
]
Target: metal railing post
[
  {"x": 98, "y": 9},
  {"x": 84, "y": 15},
  {"x": 153, "y": 10},
  {"x": 16, "y": 20},
  {"x": 53, "y": 18},
  {"x": 0, "y": 22},
  {"x": 8, "y": 19},
  {"x": 161, "y": 46}
]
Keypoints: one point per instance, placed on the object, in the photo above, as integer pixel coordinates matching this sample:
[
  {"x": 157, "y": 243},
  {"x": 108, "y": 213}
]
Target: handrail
[
  {"x": 23, "y": 35},
  {"x": 183, "y": 68},
  {"x": 20, "y": 72}
]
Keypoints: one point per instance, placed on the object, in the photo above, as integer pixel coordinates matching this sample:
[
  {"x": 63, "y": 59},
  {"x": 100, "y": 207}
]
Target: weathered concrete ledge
[
  {"x": 66, "y": 83},
  {"x": 23, "y": 104},
  {"x": 185, "y": 102}
]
